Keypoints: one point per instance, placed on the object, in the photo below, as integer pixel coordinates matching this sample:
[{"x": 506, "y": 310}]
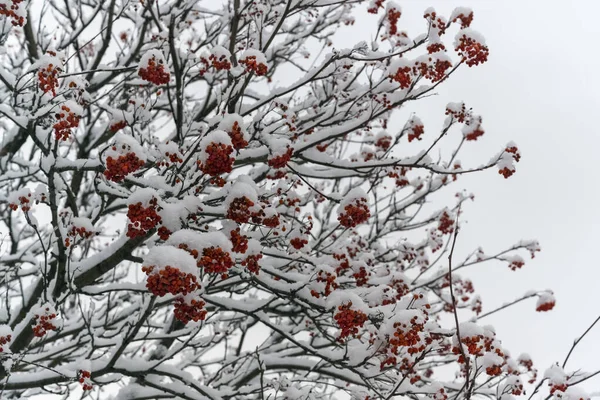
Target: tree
[{"x": 210, "y": 201}]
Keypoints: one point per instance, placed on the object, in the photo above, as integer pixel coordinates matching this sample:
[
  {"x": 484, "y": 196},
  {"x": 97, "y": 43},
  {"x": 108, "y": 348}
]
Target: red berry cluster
[
  {"x": 117, "y": 126},
  {"x": 440, "y": 394},
  {"x": 456, "y": 166},
  {"x": 366, "y": 155},
  {"x": 271, "y": 222},
  {"x": 290, "y": 122},
  {"x": 415, "y": 132},
  {"x": 219, "y": 63},
  {"x": 401, "y": 179},
  {"x": 384, "y": 142},
  {"x": 11, "y": 13},
  {"x": 239, "y": 210},
  {"x": 239, "y": 241},
  {"x": 117, "y": 169},
  {"x": 252, "y": 65},
  {"x": 258, "y": 217},
  {"x": 84, "y": 377},
  {"x": 298, "y": 243},
  {"x": 355, "y": 213},
  {"x": 546, "y": 306},
  {"x": 173, "y": 157},
  {"x": 375, "y": 6},
  {"x": 465, "y": 20},
  {"x": 506, "y": 171},
  {"x": 357, "y": 248},
  {"x": 251, "y": 263},
  {"x": 163, "y": 233},
  {"x": 4, "y": 341},
  {"x": 471, "y": 51},
  {"x": 528, "y": 364},
  {"x": 477, "y": 345},
  {"x": 516, "y": 264},
  {"x": 330, "y": 284},
  {"x": 406, "y": 366},
  {"x": 437, "y": 23},
  {"x": 557, "y": 387},
  {"x": 473, "y": 344},
  {"x": 169, "y": 280},
  {"x": 410, "y": 254},
  {"x": 77, "y": 231},
  {"x": 462, "y": 290},
  {"x": 446, "y": 223},
  {"x": 142, "y": 218},
  {"x": 494, "y": 370},
  {"x": 393, "y": 15},
  {"x": 280, "y": 161},
  {"x": 193, "y": 252},
  {"x": 517, "y": 389},
  {"x": 279, "y": 174},
  {"x": 155, "y": 72},
  {"x": 407, "y": 335},
  {"x": 291, "y": 202},
  {"x": 215, "y": 180},
  {"x": 383, "y": 99},
  {"x": 24, "y": 202},
  {"x": 237, "y": 137},
  {"x": 401, "y": 289},
  {"x": 361, "y": 277},
  {"x": 477, "y": 306},
  {"x": 461, "y": 115},
  {"x": 515, "y": 152},
  {"x": 44, "y": 323},
  {"x": 194, "y": 311},
  {"x": 435, "y": 47},
  {"x": 403, "y": 77},
  {"x": 48, "y": 78},
  {"x": 215, "y": 260},
  {"x": 62, "y": 128},
  {"x": 434, "y": 71},
  {"x": 476, "y": 133},
  {"x": 349, "y": 320},
  {"x": 219, "y": 159},
  {"x": 344, "y": 263}
]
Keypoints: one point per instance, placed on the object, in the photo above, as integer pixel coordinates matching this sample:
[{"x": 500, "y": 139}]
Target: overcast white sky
[{"x": 539, "y": 89}]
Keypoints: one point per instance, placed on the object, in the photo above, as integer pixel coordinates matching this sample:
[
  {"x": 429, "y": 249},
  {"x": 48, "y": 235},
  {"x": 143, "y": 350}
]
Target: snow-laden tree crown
[{"x": 211, "y": 200}]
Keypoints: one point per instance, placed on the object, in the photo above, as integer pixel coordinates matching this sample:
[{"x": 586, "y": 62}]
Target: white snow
[{"x": 164, "y": 255}]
